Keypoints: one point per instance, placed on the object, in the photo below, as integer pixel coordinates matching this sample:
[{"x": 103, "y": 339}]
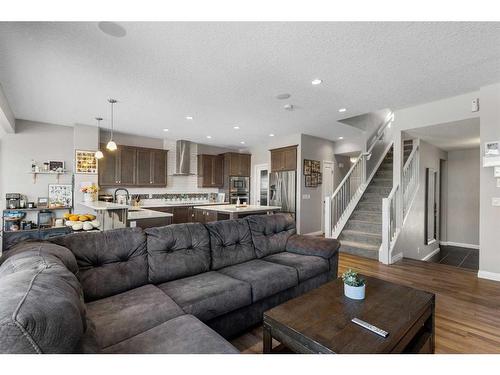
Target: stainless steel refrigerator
[{"x": 282, "y": 190}]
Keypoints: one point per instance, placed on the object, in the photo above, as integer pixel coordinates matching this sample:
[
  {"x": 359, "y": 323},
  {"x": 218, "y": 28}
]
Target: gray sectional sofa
[{"x": 183, "y": 288}]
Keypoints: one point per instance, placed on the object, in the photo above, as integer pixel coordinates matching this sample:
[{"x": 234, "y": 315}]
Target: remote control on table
[{"x": 370, "y": 327}]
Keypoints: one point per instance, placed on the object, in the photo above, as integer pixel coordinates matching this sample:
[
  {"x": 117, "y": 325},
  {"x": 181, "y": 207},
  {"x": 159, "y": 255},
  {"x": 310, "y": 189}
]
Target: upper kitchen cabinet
[
  {"x": 133, "y": 166},
  {"x": 284, "y": 159},
  {"x": 210, "y": 171},
  {"x": 237, "y": 165}
]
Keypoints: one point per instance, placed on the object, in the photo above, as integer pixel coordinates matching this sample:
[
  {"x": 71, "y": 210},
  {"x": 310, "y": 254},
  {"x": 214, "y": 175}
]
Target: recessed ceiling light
[
  {"x": 341, "y": 138},
  {"x": 288, "y": 107},
  {"x": 236, "y": 127},
  {"x": 271, "y": 135},
  {"x": 342, "y": 110},
  {"x": 189, "y": 117},
  {"x": 112, "y": 29},
  {"x": 242, "y": 142},
  {"x": 165, "y": 130},
  {"x": 316, "y": 81},
  {"x": 209, "y": 136},
  {"x": 283, "y": 96}
]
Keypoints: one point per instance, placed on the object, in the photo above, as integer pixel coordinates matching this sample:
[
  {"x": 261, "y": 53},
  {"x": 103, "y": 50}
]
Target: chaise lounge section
[{"x": 183, "y": 288}]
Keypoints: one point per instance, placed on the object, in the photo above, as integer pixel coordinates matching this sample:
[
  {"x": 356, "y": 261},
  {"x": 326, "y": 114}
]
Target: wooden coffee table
[{"x": 320, "y": 320}]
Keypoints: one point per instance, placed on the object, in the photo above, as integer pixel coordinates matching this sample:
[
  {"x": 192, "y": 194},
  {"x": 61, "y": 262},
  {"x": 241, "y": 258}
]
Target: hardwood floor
[{"x": 467, "y": 308}]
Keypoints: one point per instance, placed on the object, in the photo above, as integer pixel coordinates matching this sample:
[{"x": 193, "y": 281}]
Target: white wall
[
  {"x": 313, "y": 148},
  {"x": 411, "y": 241},
  {"x": 462, "y": 195},
  {"x": 38, "y": 141},
  {"x": 489, "y": 238}
]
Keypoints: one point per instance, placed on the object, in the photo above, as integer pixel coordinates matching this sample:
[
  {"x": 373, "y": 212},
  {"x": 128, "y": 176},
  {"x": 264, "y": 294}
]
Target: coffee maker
[{"x": 13, "y": 201}]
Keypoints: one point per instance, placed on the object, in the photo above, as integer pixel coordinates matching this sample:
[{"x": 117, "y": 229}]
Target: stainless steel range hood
[{"x": 183, "y": 158}]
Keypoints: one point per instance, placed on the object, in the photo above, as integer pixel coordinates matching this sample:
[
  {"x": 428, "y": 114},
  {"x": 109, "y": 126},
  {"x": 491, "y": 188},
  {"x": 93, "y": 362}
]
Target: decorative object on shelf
[
  {"x": 98, "y": 154},
  {"x": 111, "y": 146},
  {"x": 56, "y": 166},
  {"x": 354, "y": 285},
  {"x": 45, "y": 219},
  {"x": 42, "y": 202},
  {"x": 60, "y": 195},
  {"x": 45, "y": 167},
  {"x": 89, "y": 193},
  {"x": 31, "y": 205},
  {"x": 86, "y": 162}
]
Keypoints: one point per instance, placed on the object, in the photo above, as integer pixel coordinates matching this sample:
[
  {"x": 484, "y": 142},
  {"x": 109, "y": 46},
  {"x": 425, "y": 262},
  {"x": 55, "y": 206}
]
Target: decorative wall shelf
[{"x": 57, "y": 174}]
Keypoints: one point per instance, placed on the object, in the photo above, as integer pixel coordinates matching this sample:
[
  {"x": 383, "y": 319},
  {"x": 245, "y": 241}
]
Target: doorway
[
  {"x": 261, "y": 185},
  {"x": 326, "y": 187}
]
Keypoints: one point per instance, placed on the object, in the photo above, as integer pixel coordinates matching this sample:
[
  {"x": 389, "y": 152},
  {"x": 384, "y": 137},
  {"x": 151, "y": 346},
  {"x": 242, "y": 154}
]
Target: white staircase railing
[
  {"x": 339, "y": 206},
  {"x": 396, "y": 206}
]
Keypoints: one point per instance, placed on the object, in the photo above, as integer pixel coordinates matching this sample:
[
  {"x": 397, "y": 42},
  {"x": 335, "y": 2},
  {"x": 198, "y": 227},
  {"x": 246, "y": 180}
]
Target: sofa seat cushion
[
  {"x": 176, "y": 251},
  {"x": 270, "y": 233},
  {"x": 231, "y": 243},
  {"x": 266, "y": 278},
  {"x": 182, "y": 335},
  {"x": 307, "y": 266},
  {"x": 125, "y": 315},
  {"x": 208, "y": 294}
]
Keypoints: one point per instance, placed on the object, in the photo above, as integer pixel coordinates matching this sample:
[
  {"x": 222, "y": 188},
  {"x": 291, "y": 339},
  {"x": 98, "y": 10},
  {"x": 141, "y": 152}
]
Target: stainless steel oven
[{"x": 239, "y": 184}]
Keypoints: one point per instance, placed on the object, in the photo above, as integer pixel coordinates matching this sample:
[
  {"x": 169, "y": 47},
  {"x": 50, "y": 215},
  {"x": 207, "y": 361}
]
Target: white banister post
[
  {"x": 328, "y": 217},
  {"x": 386, "y": 224}
]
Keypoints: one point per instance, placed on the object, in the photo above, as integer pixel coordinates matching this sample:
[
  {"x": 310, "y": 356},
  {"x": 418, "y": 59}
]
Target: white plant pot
[
  {"x": 88, "y": 197},
  {"x": 354, "y": 292}
]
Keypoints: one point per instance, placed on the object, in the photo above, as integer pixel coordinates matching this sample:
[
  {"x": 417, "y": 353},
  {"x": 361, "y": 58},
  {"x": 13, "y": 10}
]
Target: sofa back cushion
[
  {"x": 177, "y": 251},
  {"x": 109, "y": 262},
  {"x": 270, "y": 232},
  {"x": 230, "y": 243},
  {"x": 41, "y": 305}
]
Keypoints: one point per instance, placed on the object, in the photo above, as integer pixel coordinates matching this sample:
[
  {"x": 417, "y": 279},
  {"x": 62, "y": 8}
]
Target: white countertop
[
  {"x": 231, "y": 208},
  {"x": 176, "y": 204},
  {"x": 146, "y": 214},
  {"x": 100, "y": 206}
]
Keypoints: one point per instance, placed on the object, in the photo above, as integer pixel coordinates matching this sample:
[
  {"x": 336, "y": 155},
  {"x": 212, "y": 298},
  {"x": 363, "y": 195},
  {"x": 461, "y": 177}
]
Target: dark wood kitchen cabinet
[
  {"x": 182, "y": 214},
  {"x": 284, "y": 159},
  {"x": 237, "y": 165},
  {"x": 204, "y": 216},
  {"x": 210, "y": 171},
  {"x": 133, "y": 166}
]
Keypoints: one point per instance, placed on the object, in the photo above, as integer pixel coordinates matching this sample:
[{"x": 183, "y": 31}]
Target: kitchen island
[
  {"x": 231, "y": 211},
  {"x": 113, "y": 215}
]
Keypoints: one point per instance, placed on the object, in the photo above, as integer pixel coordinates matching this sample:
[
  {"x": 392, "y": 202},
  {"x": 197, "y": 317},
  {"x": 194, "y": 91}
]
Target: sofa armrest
[{"x": 309, "y": 245}]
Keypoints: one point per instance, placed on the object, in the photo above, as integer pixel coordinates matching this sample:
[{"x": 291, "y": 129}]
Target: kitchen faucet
[{"x": 126, "y": 191}]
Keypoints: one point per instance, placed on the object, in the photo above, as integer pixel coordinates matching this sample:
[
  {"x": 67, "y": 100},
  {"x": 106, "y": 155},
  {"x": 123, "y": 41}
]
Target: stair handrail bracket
[{"x": 396, "y": 206}]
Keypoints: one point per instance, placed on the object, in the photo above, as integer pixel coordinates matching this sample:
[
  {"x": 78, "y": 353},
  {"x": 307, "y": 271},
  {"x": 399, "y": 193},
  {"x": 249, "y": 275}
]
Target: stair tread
[
  {"x": 363, "y": 221},
  {"x": 360, "y": 245},
  {"x": 358, "y": 232}
]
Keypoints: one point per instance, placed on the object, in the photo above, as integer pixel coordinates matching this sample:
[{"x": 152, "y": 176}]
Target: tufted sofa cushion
[
  {"x": 109, "y": 262},
  {"x": 41, "y": 305},
  {"x": 230, "y": 242},
  {"x": 270, "y": 233},
  {"x": 176, "y": 251}
]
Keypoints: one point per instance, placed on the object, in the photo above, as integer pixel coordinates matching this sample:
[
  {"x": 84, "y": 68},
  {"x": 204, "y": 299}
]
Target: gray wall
[
  {"x": 411, "y": 240},
  {"x": 313, "y": 148},
  {"x": 462, "y": 195},
  {"x": 489, "y": 238}
]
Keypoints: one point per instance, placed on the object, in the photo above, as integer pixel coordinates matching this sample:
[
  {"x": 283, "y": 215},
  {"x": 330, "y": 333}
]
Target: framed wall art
[
  {"x": 56, "y": 166},
  {"x": 60, "y": 195},
  {"x": 307, "y": 167},
  {"x": 86, "y": 162}
]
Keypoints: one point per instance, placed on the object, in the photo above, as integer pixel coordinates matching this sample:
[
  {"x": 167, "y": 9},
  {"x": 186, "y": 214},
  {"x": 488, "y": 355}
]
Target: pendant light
[
  {"x": 111, "y": 146},
  {"x": 98, "y": 153}
]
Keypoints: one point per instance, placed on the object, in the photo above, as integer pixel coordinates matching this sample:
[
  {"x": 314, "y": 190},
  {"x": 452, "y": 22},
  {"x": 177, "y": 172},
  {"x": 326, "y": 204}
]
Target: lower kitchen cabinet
[
  {"x": 182, "y": 214},
  {"x": 202, "y": 216}
]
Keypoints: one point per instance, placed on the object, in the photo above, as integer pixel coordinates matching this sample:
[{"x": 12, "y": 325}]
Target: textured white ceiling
[
  {"x": 227, "y": 74},
  {"x": 454, "y": 135}
]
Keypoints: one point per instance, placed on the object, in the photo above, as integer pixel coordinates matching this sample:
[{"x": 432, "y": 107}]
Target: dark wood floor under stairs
[{"x": 467, "y": 308}]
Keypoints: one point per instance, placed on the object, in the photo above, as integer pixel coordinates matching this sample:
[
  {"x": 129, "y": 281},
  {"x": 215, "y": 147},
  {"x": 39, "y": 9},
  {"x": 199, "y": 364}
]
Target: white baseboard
[
  {"x": 489, "y": 275},
  {"x": 396, "y": 257},
  {"x": 430, "y": 255},
  {"x": 459, "y": 244},
  {"x": 318, "y": 233}
]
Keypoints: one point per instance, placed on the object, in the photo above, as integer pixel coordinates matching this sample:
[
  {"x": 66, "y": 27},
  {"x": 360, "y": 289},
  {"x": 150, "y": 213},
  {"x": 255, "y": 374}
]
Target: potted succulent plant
[{"x": 354, "y": 285}]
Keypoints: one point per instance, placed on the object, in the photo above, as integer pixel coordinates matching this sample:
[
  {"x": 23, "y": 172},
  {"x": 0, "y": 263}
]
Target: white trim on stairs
[
  {"x": 459, "y": 244},
  {"x": 488, "y": 275},
  {"x": 396, "y": 257},
  {"x": 431, "y": 254}
]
